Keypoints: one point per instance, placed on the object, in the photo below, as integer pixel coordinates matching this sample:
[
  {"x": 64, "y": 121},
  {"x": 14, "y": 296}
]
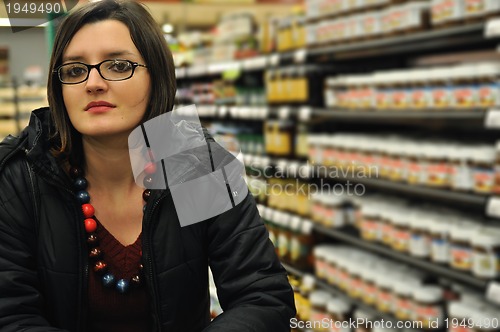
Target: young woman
[{"x": 82, "y": 246}]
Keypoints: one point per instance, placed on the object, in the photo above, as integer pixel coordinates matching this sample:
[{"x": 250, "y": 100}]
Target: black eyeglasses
[{"x": 110, "y": 70}]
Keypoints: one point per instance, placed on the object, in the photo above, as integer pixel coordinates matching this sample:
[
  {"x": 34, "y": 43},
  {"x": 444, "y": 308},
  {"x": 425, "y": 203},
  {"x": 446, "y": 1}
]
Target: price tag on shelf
[
  {"x": 261, "y": 113},
  {"x": 180, "y": 72},
  {"x": 493, "y": 207},
  {"x": 274, "y": 59},
  {"x": 197, "y": 70},
  {"x": 493, "y": 292},
  {"x": 305, "y": 113},
  {"x": 492, "y": 119},
  {"x": 284, "y": 113},
  {"x": 492, "y": 28},
  {"x": 222, "y": 111},
  {"x": 259, "y": 62},
  {"x": 300, "y": 55}
]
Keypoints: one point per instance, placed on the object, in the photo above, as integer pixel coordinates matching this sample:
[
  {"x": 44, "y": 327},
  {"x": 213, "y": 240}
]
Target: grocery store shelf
[
  {"x": 338, "y": 293},
  {"x": 427, "y": 266},
  {"x": 442, "y": 39},
  {"x": 473, "y": 118},
  {"x": 310, "y": 172},
  {"x": 420, "y": 42},
  {"x": 427, "y": 193}
]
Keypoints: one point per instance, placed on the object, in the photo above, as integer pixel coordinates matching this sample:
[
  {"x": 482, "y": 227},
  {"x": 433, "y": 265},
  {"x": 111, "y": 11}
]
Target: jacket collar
[{"x": 38, "y": 144}]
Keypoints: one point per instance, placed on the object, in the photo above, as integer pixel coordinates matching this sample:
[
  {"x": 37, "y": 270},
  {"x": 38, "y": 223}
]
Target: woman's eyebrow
[{"x": 110, "y": 55}]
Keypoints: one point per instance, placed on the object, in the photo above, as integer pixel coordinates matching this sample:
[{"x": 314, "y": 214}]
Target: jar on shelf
[
  {"x": 489, "y": 86},
  {"x": 438, "y": 171},
  {"x": 320, "y": 263},
  {"x": 319, "y": 300},
  {"x": 401, "y": 95},
  {"x": 429, "y": 306},
  {"x": 284, "y": 236},
  {"x": 420, "y": 240},
  {"x": 486, "y": 253},
  {"x": 466, "y": 89},
  {"x": 370, "y": 225},
  {"x": 365, "y": 318},
  {"x": 459, "y": 312},
  {"x": 354, "y": 288},
  {"x": 461, "y": 170},
  {"x": 385, "y": 285},
  {"x": 369, "y": 288},
  {"x": 483, "y": 172},
  {"x": 440, "y": 227},
  {"x": 301, "y": 243},
  {"x": 421, "y": 93},
  {"x": 308, "y": 285},
  {"x": 269, "y": 217},
  {"x": 486, "y": 320},
  {"x": 332, "y": 271},
  {"x": 403, "y": 294},
  {"x": 442, "y": 92},
  {"x": 460, "y": 245},
  {"x": 338, "y": 310},
  {"x": 402, "y": 232},
  {"x": 334, "y": 211}
]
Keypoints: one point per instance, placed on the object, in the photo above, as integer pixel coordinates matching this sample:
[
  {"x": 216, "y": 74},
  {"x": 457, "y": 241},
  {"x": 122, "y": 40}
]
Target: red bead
[
  {"x": 95, "y": 253},
  {"x": 88, "y": 210},
  {"x": 150, "y": 168},
  {"x": 100, "y": 267},
  {"x": 90, "y": 225},
  {"x": 92, "y": 240}
]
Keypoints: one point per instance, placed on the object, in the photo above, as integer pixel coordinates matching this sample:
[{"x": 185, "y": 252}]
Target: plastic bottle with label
[{"x": 440, "y": 227}]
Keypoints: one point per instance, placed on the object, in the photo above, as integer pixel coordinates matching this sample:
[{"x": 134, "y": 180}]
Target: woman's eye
[
  {"x": 120, "y": 66},
  {"x": 76, "y": 71}
]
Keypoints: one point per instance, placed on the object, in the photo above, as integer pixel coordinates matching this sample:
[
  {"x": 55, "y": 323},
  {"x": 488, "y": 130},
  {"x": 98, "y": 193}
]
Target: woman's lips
[{"x": 99, "y": 107}]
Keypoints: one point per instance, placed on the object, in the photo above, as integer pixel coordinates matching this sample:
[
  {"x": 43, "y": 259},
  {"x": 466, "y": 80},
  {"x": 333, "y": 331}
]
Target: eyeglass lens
[{"x": 113, "y": 70}]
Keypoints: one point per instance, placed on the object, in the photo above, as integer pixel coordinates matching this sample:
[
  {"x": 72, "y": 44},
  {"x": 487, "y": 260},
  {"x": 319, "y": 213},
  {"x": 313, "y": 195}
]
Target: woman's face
[{"x": 98, "y": 107}]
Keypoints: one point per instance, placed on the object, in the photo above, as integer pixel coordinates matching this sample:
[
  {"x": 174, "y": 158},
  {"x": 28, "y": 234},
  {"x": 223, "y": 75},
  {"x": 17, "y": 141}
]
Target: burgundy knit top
[{"x": 108, "y": 309}]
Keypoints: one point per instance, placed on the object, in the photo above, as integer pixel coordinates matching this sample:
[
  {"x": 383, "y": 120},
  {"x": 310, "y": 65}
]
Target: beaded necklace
[{"x": 95, "y": 253}]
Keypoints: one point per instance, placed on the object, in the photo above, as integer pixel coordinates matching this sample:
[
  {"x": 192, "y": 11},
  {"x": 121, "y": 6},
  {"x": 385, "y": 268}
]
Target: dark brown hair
[{"x": 147, "y": 37}]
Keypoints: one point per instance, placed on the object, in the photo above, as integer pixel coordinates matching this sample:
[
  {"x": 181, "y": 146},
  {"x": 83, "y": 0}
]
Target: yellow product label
[
  {"x": 303, "y": 206},
  {"x": 301, "y": 90}
]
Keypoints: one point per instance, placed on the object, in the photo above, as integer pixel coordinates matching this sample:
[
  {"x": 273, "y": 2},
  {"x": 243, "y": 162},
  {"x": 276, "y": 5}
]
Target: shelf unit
[
  {"x": 478, "y": 119},
  {"x": 396, "y": 51},
  {"x": 473, "y": 201}
]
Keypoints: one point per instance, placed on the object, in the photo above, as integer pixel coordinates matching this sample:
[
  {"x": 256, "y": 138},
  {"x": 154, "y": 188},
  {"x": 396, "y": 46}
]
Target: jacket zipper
[
  {"x": 149, "y": 258},
  {"x": 82, "y": 303}
]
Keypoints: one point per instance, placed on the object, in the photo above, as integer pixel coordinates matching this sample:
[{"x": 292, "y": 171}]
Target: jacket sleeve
[
  {"x": 21, "y": 303},
  {"x": 252, "y": 285}
]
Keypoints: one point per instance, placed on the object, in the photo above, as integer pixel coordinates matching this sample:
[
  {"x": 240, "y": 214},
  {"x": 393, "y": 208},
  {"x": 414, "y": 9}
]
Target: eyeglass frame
[{"x": 98, "y": 68}]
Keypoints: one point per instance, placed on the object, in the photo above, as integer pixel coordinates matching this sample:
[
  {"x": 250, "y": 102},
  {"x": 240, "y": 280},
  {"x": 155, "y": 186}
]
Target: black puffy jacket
[{"x": 43, "y": 256}]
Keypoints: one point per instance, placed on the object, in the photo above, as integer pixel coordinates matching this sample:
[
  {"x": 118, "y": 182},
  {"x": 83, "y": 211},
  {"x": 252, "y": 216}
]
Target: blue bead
[
  {"x": 122, "y": 286},
  {"x": 83, "y": 197},
  {"x": 108, "y": 280},
  {"x": 80, "y": 184}
]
